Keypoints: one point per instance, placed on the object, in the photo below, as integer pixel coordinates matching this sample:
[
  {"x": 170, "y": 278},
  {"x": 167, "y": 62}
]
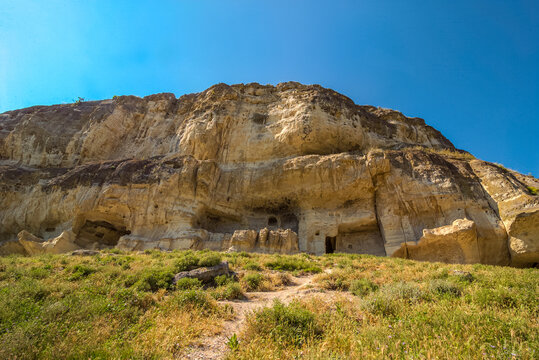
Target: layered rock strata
[{"x": 286, "y": 168}]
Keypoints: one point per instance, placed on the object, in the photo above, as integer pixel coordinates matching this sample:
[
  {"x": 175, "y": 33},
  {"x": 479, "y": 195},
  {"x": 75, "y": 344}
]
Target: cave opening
[
  {"x": 272, "y": 221},
  {"x": 331, "y": 243},
  {"x": 101, "y": 233}
]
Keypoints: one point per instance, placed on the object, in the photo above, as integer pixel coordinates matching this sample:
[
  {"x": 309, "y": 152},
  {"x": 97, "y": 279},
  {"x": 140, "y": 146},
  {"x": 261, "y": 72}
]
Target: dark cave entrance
[
  {"x": 331, "y": 242},
  {"x": 100, "y": 232},
  {"x": 272, "y": 221}
]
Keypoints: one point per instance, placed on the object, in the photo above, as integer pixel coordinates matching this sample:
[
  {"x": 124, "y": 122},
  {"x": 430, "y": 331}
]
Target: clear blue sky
[{"x": 469, "y": 68}]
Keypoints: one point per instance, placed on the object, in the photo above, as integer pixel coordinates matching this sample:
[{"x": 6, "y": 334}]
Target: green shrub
[
  {"x": 252, "y": 281},
  {"x": 386, "y": 301},
  {"x": 362, "y": 287},
  {"x": 152, "y": 280},
  {"x": 335, "y": 280},
  {"x": 380, "y": 303},
  {"x": 444, "y": 288},
  {"x": 194, "y": 298},
  {"x": 81, "y": 270},
  {"x": 222, "y": 280},
  {"x": 230, "y": 291},
  {"x": 208, "y": 260},
  {"x": 186, "y": 262},
  {"x": 292, "y": 264},
  {"x": 188, "y": 284},
  {"x": 286, "y": 325},
  {"x": 252, "y": 266},
  {"x": 39, "y": 272},
  {"x": 501, "y": 297},
  {"x": 408, "y": 292},
  {"x": 532, "y": 190}
]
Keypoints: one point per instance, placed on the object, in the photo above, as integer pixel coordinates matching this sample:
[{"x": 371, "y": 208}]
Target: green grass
[
  {"x": 124, "y": 306},
  {"x": 293, "y": 263}
]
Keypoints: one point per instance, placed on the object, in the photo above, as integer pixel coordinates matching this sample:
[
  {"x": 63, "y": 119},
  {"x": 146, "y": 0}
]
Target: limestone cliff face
[{"x": 275, "y": 169}]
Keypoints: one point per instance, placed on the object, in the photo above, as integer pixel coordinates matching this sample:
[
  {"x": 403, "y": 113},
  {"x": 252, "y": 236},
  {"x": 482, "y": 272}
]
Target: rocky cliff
[{"x": 286, "y": 168}]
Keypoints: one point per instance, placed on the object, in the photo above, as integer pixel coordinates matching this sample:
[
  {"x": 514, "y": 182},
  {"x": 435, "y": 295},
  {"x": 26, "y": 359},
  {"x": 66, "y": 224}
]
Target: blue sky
[{"x": 469, "y": 68}]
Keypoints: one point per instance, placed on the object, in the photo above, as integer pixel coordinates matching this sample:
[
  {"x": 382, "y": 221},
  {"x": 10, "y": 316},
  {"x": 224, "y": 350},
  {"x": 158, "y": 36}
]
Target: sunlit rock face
[{"x": 286, "y": 168}]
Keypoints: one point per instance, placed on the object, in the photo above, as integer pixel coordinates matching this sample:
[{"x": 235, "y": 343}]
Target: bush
[
  {"x": 404, "y": 291},
  {"x": 362, "y": 287},
  {"x": 279, "y": 279},
  {"x": 222, "y": 280},
  {"x": 386, "y": 301},
  {"x": 380, "y": 304},
  {"x": 209, "y": 260},
  {"x": 80, "y": 270},
  {"x": 252, "y": 266},
  {"x": 335, "y": 280},
  {"x": 231, "y": 291},
  {"x": 286, "y": 325},
  {"x": 532, "y": 190},
  {"x": 188, "y": 284},
  {"x": 39, "y": 272},
  {"x": 186, "y": 262},
  {"x": 501, "y": 297},
  {"x": 444, "y": 288},
  {"x": 152, "y": 280},
  {"x": 194, "y": 298},
  {"x": 252, "y": 281},
  {"x": 292, "y": 264}
]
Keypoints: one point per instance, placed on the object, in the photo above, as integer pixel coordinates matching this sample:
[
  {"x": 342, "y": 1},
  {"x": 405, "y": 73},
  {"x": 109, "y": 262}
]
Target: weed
[
  {"x": 380, "y": 303},
  {"x": 285, "y": 325},
  {"x": 233, "y": 343},
  {"x": 194, "y": 298},
  {"x": 252, "y": 281},
  {"x": 362, "y": 287},
  {"x": 442, "y": 287},
  {"x": 336, "y": 280},
  {"x": 230, "y": 291}
]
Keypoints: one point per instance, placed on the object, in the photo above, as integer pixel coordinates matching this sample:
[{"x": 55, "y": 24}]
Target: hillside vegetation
[{"x": 124, "y": 305}]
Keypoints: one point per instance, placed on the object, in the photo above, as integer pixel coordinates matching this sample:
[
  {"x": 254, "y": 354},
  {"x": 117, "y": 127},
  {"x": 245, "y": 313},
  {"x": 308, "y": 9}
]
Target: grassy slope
[{"x": 118, "y": 305}]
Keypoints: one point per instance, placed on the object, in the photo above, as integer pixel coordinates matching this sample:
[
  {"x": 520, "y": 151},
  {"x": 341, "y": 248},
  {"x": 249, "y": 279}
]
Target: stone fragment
[{"x": 206, "y": 274}]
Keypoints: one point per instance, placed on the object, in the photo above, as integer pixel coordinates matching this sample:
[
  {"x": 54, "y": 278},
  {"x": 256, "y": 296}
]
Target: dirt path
[{"x": 215, "y": 347}]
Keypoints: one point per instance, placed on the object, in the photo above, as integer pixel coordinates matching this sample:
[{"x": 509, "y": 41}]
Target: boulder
[
  {"x": 12, "y": 247},
  {"x": 524, "y": 239},
  {"x": 33, "y": 245},
  {"x": 456, "y": 243},
  {"x": 206, "y": 274},
  {"x": 85, "y": 252}
]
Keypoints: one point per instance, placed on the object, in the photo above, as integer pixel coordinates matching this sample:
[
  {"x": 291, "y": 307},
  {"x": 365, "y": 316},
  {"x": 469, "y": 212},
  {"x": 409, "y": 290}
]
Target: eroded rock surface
[
  {"x": 456, "y": 243},
  {"x": 286, "y": 168}
]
